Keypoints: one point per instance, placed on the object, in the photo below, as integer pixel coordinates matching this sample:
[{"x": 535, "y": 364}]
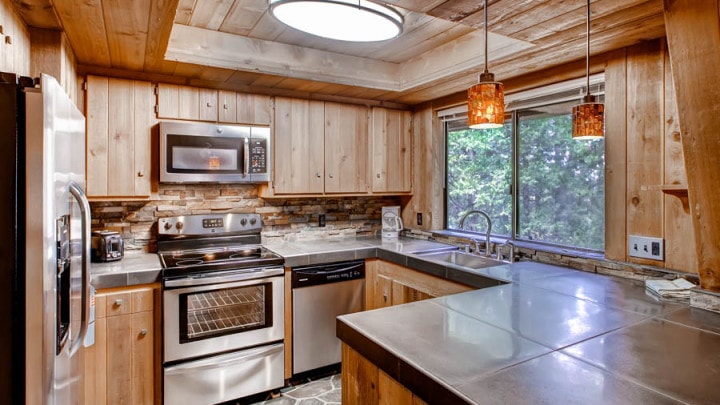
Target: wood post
[{"x": 693, "y": 33}]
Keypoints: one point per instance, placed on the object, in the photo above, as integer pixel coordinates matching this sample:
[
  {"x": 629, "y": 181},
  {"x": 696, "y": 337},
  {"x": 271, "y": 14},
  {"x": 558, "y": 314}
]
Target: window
[{"x": 560, "y": 182}]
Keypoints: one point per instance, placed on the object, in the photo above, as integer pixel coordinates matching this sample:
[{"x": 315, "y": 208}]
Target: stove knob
[
  {"x": 253, "y": 221},
  {"x": 179, "y": 226},
  {"x": 167, "y": 226},
  {"x": 243, "y": 222}
]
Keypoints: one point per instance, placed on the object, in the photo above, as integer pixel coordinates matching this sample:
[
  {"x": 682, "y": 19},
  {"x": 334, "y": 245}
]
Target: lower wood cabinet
[
  {"x": 389, "y": 284},
  {"x": 363, "y": 383},
  {"x": 123, "y": 366}
]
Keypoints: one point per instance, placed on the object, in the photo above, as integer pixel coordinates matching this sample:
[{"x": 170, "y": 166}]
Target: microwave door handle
[
  {"x": 246, "y": 158},
  {"x": 79, "y": 195}
]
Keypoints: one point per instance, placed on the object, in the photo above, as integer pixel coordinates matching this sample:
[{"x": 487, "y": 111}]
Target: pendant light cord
[
  {"x": 587, "y": 48},
  {"x": 486, "y": 36}
]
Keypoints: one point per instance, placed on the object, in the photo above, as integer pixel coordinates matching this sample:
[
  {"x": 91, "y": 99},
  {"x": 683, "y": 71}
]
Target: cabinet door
[
  {"x": 346, "y": 148},
  {"x": 121, "y": 366},
  {"x": 208, "y": 108},
  {"x": 254, "y": 109},
  {"x": 391, "y": 146},
  {"x": 298, "y": 147},
  {"x": 119, "y": 121},
  {"x": 227, "y": 106}
]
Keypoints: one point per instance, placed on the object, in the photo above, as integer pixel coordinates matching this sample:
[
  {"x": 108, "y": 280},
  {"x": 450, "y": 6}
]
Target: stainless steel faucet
[{"x": 487, "y": 233}]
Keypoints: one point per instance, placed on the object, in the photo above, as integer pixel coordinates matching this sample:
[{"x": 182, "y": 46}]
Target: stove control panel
[{"x": 209, "y": 224}]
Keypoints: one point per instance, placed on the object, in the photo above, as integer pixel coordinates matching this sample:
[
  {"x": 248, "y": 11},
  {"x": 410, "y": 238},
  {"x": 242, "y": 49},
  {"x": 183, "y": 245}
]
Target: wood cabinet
[
  {"x": 299, "y": 140},
  {"x": 320, "y": 148},
  {"x": 391, "y": 151},
  {"x": 388, "y": 284},
  {"x": 198, "y": 104},
  {"x": 123, "y": 366},
  {"x": 186, "y": 103},
  {"x": 241, "y": 108},
  {"x": 346, "y": 148},
  {"x": 364, "y": 383},
  {"x": 119, "y": 121}
]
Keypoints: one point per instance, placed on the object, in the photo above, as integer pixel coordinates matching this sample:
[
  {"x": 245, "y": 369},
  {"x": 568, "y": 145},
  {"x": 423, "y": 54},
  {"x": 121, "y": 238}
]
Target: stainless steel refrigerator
[{"x": 44, "y": 243}]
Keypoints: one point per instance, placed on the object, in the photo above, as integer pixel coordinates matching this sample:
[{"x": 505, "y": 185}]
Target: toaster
[{"x": 107, "y": 246}]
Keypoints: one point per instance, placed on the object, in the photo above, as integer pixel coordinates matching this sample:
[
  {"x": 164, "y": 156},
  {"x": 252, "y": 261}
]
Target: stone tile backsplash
[{"x": 288, "y": 219}]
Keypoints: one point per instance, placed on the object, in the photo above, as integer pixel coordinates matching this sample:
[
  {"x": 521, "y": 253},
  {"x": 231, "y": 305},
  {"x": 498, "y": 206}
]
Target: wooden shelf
[
  {"x": 680, "y": 191},
  {"x": 676, "y": 190}
]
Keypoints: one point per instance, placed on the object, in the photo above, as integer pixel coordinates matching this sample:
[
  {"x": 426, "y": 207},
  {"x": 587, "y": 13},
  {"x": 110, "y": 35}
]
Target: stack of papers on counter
[{"x": 678, "y": 288}]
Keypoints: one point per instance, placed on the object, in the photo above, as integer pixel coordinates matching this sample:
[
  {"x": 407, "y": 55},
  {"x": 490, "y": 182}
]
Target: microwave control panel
[{"x": 258, "y": 156}]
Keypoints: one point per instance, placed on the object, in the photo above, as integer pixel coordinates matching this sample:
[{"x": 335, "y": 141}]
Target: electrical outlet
[
  {"x": 321, "y": 220},
  {"x": 419, "y": 218},
  {"x": 646, "y": 247}
]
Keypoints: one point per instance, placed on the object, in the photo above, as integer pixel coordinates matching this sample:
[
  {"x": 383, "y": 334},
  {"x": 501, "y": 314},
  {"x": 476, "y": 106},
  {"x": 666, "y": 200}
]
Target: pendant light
[
  {"x": 342, "y": 20},
  {"x": 588, "y": 117},
  {"x": 486, "y": 102}
]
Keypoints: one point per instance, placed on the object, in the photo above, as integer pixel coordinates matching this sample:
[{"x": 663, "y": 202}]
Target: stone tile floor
[{"x": 320, "y": 390}]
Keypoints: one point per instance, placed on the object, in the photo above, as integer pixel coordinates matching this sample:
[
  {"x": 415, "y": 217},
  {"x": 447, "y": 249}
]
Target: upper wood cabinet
[
  {"x": 186, "y": 103},
  {"x": 391, "y": 148},
  {"x": 197, "y": 104},
  {"x": 319, "y": 148},
  {"x": 346, "y": 148},
  {"x": 244, "y": 108},
  {"x": 119, "y": 121},
  {"x": 299, "y": 141}
]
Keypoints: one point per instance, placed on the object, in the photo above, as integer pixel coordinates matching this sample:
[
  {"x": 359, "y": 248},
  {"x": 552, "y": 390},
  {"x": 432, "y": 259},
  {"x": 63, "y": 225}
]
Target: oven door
[{"x": 219, "y": 312}]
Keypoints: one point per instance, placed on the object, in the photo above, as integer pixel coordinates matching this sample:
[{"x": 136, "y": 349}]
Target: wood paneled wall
[
  {"x": 14, "y": 41},
  {"x": 643, "y": 133},
  {"x": 51, "y": 53},
  {"x": 643, "y": 152}
]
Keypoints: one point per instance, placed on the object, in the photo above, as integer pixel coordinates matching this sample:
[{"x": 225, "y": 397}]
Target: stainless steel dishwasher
[{"x": 319, "y": 294}]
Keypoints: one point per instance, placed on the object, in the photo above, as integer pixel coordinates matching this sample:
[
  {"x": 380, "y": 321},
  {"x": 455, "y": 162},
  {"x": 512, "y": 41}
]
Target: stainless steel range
[{"x": 223, "y": 302}]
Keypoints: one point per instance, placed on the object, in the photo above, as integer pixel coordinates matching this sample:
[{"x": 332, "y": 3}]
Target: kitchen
[{"x": 159, "y": 63}]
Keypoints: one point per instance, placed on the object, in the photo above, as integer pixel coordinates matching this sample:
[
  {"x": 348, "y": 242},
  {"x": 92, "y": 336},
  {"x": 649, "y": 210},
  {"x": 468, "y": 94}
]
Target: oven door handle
[
  {"x": 212, "y": 363},
  {"x": 224, "y": 278}
]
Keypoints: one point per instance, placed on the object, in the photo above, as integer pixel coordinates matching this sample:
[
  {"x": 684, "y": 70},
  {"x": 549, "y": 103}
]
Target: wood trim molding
[{"x": 693, "y": 32}]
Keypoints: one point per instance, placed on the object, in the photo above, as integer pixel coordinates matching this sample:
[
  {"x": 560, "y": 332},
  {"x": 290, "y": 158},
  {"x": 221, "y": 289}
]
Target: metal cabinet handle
[
  {"x": 209, "y": 104},
  {"x": 140, "y": 174},
  {"x": 330, "y": 175},
  {"x": 378, "y": 175},
  {"x": 143, "y": 332},
  {"x": 318, "y": 175},
  {"x": 118, "y": 303}
]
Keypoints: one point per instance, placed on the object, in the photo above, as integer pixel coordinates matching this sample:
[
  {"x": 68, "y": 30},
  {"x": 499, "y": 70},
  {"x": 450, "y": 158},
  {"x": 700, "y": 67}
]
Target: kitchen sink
[{"x": 462, "y": 259}]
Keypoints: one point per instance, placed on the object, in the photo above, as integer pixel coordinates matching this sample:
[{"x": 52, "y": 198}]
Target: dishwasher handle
[{"x": 334, "y": 273}]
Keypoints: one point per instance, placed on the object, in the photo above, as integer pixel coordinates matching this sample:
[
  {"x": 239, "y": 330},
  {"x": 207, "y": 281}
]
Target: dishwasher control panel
[{"x": 327, "y": 273}]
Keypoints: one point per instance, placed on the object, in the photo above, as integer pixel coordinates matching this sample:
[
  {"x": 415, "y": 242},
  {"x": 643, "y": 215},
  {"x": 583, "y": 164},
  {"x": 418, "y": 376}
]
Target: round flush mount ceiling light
[{"x": 344, "y": 20}]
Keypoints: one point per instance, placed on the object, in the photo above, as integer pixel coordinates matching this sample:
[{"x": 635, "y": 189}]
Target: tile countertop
[
  {"x": 141, "y": 268},
  {"x": 552, "y": 335},
  {"x": 135, "y": 268}
]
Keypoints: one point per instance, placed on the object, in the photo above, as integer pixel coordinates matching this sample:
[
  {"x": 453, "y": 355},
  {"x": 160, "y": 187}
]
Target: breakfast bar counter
[{"x": 551, "y": 335}]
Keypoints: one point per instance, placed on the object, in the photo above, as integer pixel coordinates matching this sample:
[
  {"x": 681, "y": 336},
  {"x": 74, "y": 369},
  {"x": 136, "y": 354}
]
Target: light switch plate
[{"x": 646, "y": 247}]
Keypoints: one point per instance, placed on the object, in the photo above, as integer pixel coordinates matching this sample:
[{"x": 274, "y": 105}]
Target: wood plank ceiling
[{"x": 237, "y": 45}]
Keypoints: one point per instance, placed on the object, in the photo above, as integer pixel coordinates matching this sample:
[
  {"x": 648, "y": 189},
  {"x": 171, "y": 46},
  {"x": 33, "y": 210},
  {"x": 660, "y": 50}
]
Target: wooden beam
[
  {"x": 38, "y": 13},
  {"x": 693, "y": 32},
  {"x": 219, "y": 49}
]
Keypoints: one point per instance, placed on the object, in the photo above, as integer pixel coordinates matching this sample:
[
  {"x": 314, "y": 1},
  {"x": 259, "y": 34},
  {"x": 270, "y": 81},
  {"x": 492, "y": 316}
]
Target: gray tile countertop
[
  {"x": 552, "y": 335},
  {"x": 135, "y": 268},
  {"x": 539, "y": 334}
]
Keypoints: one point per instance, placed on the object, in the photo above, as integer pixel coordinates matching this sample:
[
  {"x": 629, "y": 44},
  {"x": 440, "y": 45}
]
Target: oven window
[{"x": 207, "y": 314}]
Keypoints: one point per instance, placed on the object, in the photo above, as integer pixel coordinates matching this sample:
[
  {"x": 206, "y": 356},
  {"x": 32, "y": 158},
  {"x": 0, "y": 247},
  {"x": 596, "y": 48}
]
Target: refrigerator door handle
[{"x": 79, "y": 195}]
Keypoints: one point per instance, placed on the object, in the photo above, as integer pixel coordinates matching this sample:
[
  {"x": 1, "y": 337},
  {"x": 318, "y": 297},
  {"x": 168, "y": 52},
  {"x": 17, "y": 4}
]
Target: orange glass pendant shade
[
  {"x": 588, "y": 119},
  {"x": 486, "y": 105}
]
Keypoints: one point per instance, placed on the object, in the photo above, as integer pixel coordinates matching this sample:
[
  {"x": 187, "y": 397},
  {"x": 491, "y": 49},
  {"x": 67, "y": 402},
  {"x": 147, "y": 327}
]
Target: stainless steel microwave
[{"x": 210, "y": 153}]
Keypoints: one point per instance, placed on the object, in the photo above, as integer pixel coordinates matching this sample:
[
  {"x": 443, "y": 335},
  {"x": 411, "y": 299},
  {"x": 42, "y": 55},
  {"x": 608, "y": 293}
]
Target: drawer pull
[
  {"x": 143, "y": 332},
  {"x": 118, "y": 303}
]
